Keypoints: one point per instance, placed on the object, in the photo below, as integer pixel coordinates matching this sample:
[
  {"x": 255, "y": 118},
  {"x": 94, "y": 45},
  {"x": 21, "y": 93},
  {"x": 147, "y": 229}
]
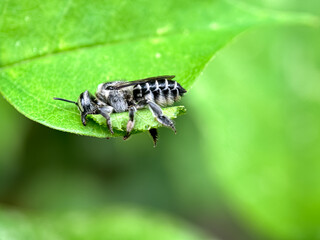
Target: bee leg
[
  {"x": 154, "y": 134},
  {"x": 130, "y": 124},
  {"x": 83, "y": 118},
  {"x": 105, "y": 111},
  {"x": 158, "y": 114}
]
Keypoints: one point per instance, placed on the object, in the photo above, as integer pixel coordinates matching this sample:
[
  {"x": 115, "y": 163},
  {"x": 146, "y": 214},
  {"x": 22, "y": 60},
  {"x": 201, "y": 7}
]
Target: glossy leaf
[{"x": 56, "y": 49}]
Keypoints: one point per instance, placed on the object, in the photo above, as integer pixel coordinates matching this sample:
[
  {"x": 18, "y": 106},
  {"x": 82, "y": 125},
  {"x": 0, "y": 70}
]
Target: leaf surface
[{"x": 60, "y": 49}]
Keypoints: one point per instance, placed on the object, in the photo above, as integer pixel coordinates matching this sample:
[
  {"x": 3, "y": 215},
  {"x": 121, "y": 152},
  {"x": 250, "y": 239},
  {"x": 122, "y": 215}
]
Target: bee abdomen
[{"x": 164, "y": 92}]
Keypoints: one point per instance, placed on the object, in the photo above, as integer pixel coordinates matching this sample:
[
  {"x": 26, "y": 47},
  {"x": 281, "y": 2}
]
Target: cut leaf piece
[{"x": 144, "y": 120}]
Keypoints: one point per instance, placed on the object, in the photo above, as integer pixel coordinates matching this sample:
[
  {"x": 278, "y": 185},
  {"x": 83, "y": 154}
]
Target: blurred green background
[{"x": 244, "y": 164}]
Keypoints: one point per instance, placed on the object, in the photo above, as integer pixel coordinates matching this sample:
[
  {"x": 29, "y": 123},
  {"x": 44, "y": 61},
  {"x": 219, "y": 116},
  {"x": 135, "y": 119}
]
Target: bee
[{"x": 123, "y": 96}]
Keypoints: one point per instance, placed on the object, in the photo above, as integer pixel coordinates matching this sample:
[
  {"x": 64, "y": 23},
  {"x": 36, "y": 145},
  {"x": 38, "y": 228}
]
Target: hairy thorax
[{"x": 118, "y": 100}]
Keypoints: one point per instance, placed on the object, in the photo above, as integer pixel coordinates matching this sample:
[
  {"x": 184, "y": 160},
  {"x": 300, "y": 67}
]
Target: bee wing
[
  {"x": 168, "y": 77},
  {"x": 131, "y": 83}
]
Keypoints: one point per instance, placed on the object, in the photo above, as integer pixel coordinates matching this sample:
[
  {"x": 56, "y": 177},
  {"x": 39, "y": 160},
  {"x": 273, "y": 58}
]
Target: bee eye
[{"x": 110, "y": 88}]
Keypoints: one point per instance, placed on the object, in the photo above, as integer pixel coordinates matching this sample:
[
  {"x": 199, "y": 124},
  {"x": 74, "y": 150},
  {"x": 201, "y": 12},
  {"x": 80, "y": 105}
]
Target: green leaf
[
  {"x": 13, "y": 129},
  {"x": 56, "y": 49},
  {"x": 262, "y": 135},
  {"x": 112, "y": 223}
]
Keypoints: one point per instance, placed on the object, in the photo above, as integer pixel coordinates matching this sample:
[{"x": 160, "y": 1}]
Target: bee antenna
[{"x": 65, "y": 100}]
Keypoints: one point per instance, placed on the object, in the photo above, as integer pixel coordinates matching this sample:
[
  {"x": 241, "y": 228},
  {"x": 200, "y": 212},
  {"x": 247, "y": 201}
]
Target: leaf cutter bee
[{"x": 123, "y": 96}]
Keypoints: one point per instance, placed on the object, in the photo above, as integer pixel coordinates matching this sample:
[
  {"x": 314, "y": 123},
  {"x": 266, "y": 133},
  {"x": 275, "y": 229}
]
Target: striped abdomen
[{"x": 163, "y": 92}]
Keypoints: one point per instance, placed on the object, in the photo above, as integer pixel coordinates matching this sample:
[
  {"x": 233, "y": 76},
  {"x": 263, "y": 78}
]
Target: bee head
[{"x": 87, "y": 104}]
